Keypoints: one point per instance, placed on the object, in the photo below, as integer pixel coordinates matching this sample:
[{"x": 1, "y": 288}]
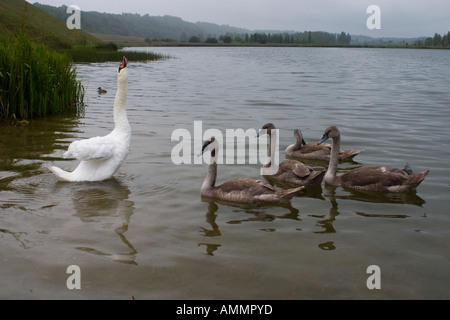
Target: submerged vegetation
[{"x": 36, "y": 81}]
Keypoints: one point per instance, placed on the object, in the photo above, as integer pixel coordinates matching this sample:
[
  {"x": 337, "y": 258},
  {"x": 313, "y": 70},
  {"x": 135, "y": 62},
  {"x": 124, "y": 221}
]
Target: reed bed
[
  {"x": 35, "y": 81},
  {"x": 91, "y": 54}
]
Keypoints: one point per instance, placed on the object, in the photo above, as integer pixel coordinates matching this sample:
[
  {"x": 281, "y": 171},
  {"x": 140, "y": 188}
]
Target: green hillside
[
  {"x": 16, "y": 15},
  {"x": 142, "y": 26}
]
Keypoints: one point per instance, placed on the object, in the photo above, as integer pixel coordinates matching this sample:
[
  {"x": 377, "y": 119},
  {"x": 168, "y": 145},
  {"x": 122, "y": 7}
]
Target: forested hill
[
  {"x": 133, "y": 25},
  {"x": 146, "y": 26}
]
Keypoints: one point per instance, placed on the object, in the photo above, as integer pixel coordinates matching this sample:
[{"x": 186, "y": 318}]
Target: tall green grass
[{"x": 36, "y": 81}]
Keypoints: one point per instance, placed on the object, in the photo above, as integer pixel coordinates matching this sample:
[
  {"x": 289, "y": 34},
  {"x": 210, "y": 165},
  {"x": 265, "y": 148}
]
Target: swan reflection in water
[
  {"x": 258, "y": 214},
  {"x": 326, "y": 221},
  {"x": 407, "y": 197},
  {"x": 106, "y": 203},
  {"x": 214, "y": 232}
]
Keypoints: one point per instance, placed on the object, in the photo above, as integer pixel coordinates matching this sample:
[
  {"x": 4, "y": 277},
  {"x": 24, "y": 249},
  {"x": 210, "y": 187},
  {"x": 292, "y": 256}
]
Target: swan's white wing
[{"x": 97, "y": 148}]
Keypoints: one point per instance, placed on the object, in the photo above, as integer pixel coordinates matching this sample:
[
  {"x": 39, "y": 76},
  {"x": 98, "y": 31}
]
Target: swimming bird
[
  {"x": 312, "y": 150},
  {"x": 368, "y": 178},
  {"x": 102, "y": 156},
  {"x": 290, "y": 172},
  {"x": 240, "y": 190},
  {"x": 101, "y": 91}
]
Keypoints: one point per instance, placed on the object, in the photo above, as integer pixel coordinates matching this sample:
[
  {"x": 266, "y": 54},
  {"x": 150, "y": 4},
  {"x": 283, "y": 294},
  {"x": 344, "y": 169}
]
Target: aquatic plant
[
  {"x": 36, "y": 81},
  {"x": 109, "y": 52}
]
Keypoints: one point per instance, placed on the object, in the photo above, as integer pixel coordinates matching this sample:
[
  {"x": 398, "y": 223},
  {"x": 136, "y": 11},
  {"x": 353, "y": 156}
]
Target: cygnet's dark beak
[{"x": 324, "y": 137}]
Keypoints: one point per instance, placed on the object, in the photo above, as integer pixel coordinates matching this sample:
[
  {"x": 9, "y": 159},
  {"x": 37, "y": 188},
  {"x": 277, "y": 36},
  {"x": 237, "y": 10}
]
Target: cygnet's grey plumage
[
  {"x": 290, "y": 172},
  {"x": 241, "y": 190},
  {"x": 369, "y": 178},
  {"x": 313, "y": 151}
]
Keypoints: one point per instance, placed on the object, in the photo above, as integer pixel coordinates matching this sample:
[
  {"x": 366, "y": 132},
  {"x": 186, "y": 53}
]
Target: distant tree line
[
  {"x": 299, "y": 38},
  {"x": 437, "y": 41},
  {"x": 306, "y": 37},
  {"x": 316, "y": 38}
]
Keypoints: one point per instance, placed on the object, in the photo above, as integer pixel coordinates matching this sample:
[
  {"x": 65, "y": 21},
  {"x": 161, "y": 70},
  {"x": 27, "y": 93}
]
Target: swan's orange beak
[{"x": 124, "y": 64}]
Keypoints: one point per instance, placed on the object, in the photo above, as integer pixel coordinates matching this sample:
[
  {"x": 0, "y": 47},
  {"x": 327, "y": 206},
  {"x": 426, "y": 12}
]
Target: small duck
[{"x": 101, "y": 91}]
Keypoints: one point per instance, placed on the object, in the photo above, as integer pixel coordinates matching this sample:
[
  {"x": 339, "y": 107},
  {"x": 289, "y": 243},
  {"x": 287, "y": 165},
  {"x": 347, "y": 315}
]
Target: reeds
[
  {"x": 35, "y": 81},
  {"x": 91, "y": 54}
]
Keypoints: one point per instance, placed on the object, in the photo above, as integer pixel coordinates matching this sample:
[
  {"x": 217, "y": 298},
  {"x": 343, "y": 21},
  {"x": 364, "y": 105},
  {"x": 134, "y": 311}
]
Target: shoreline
[{"x": 156, "y": 44}]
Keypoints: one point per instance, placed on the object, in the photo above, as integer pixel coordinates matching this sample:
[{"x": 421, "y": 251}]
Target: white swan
[{"x": 102, "y": 156}]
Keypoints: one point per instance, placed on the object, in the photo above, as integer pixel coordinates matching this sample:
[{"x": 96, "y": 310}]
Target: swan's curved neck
[
  {"x": 272, "y": 162},
  {"x": 297, "y": 145},
  {"x": 120, "y": 112},
  {"x": 270, "y": 150},
  {"x": 330, "y": 176},
  {"x": 298, "y": 142},
  {"x": 210, "y": 179}
]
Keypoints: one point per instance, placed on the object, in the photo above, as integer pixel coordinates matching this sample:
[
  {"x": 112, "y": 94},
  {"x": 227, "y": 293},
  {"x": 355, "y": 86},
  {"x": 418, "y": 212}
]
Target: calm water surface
[{"x": 147, "y": 234}]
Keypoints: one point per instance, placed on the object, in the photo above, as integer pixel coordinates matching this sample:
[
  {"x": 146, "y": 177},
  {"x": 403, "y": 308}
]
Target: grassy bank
[{"x": 36, "y": 81}]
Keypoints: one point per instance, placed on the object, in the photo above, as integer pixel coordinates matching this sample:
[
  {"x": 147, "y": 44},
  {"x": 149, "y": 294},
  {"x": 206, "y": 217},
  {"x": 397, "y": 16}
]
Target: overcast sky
[{"x": 398, "y": 18}]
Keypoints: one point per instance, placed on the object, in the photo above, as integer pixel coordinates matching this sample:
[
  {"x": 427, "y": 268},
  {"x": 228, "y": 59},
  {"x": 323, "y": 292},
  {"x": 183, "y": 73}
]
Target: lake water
[{"x": 147, "y": 234}]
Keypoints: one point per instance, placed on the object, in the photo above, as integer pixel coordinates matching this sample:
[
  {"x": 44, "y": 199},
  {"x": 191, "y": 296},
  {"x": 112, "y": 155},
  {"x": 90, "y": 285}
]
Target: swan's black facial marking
[
  {"x": 325, "y": 136},
  {"x": 206, "y": 144}
]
